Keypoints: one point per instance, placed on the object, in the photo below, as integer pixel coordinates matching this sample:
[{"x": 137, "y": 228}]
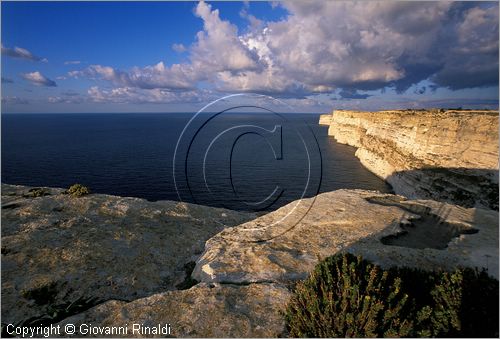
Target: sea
[{"x": 237, "y": 160}]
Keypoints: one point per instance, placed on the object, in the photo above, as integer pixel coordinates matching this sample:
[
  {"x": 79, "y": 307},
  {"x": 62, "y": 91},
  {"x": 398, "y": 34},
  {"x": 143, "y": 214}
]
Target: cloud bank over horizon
[{"x": 328, "y": 53}]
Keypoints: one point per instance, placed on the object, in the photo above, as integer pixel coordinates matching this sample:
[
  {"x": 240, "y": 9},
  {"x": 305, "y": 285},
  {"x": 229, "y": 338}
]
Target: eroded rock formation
[{"x": 443, "y": 155}]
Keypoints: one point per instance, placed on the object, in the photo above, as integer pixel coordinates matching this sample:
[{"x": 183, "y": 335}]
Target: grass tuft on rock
[
  {"x": 78, "y": 190},
  {"x": 346, "y": 296}
]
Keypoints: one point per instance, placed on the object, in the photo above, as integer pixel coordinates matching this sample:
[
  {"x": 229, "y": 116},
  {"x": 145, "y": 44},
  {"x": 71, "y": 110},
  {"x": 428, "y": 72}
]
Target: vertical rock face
[
  {"x": 325, "y": 119},
  {"x": 443, "y": 155}
]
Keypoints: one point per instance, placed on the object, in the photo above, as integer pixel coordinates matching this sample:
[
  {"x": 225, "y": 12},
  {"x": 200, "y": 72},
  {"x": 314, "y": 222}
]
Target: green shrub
[
  {"x": 346, "y": 296},
  {"x": 78, "y": 190},
  {"x": 37, "y": 192}
]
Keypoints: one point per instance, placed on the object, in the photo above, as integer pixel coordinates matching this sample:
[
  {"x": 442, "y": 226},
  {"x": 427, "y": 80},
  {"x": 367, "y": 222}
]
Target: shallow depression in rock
[{"x": 428, "y": 230}]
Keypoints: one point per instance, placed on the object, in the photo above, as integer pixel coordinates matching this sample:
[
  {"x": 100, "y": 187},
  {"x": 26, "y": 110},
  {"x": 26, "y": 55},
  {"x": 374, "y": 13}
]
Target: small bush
[
  {"x": 346, "y": 296},
  {"x": 37, "y": 192},
  {"x": 78, "y": 190}
]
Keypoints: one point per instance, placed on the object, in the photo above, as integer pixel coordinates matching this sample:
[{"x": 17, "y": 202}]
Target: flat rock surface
[
  {"x": 205, "y": 310},
  {"x": 57, "y": 248},
  {"x": 430, "y": 235}
]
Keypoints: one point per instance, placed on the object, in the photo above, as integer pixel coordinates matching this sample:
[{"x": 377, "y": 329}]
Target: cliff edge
[{"x": 444, "y": 155}]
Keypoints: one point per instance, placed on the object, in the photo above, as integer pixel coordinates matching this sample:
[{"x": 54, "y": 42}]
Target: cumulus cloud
[
  {"x": 219, "y": 47},
  {"x": 324, "y": 47},
  {"x": 18, "y": 52},
  {"x": 39, "y": 79},
  {"x": 62, "y": 100},
  {"x": 68, "y": 97},
  {"x": 473, "y": 60},
  {"x": 176, "y": 77},
  {"x": 7, "y": 81},
  {"x": 131, "y": 95}
]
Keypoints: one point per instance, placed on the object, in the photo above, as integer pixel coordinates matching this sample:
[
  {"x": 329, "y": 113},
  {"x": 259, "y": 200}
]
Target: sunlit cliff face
[{"x": 442, "y": 155}]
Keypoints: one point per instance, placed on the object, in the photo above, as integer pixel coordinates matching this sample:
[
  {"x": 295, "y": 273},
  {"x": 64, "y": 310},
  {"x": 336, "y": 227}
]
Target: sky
[{"x": 317, "y": 56}]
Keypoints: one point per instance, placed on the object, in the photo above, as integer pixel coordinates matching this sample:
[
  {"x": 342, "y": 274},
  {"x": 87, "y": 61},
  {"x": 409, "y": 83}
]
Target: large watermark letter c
[{"x": 274, "y": 138}]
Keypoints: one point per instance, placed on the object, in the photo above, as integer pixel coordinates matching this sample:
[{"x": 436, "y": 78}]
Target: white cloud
[
  {"x": 322, "y": 47},
  {"x": 179, "y": 48},
  {"x": 176, "y": 77},
  {"x": 13, "y": 100},
  {"x": 336, "y": 44},
  {"x": 18, "y": 52},
  {"x": 218, "y": 47},
  {"x": 39, "y": 79},
  {"x": 132, "y": 95},
  {"x": 72, "y": 62}
]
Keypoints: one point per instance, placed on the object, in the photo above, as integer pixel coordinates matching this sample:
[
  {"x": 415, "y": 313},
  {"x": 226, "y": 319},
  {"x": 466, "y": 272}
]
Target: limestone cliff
[
  {"x": 325, "y": 119},
  {"x": 445, "y": 155}
]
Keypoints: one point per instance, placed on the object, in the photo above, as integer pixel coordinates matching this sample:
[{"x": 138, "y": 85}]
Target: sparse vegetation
[
  {"x": 37, "y": 192},
  {"x": 346, "y": 296},
  {"x": 78, "y": 190}
]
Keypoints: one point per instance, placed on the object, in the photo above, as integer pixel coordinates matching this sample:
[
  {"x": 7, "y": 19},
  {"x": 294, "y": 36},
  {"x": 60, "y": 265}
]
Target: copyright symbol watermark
[
  {"x": 69, "y": 329},
  {"x": 242, "y": 152}
]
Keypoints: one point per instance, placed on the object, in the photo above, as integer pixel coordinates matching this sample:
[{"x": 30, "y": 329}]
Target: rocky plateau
[{"x": 129, "y": 255}]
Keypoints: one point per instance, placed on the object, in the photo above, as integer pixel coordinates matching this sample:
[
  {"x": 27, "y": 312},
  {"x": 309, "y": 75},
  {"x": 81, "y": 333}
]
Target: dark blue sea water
[{"x": 234, "y": 160}]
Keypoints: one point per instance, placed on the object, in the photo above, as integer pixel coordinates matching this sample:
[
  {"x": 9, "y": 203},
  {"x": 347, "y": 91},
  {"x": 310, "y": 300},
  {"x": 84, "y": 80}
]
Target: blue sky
[{"x": 316, "y": 56}]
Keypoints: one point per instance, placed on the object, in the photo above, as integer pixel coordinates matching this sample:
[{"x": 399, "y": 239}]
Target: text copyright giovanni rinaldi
[{"x": 87, "y": 329}]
